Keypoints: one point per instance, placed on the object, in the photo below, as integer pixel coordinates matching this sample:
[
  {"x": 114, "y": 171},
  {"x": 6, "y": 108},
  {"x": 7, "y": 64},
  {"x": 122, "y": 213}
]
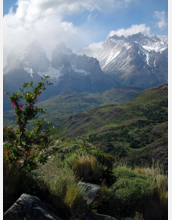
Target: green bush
[
  {"x": 130, "y": 193},
  {"x": 121, "y": 172},
  {"x": 26, "y": 110}
]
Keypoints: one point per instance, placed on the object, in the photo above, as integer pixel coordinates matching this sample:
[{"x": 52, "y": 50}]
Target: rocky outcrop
[
  {"x": 94, "y": 216},
  {"x": 91, "y": 191},
  {"x": 30, "y": 208}
]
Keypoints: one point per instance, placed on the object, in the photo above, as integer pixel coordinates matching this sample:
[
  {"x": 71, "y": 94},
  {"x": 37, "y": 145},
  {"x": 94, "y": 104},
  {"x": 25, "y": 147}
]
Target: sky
[{"x": 78, "y": 23}]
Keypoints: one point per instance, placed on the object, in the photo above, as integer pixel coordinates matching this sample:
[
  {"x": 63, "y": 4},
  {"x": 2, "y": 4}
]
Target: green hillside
[
  {"x": 61, "y": 106},
  {"x": 136, "y": 131}
]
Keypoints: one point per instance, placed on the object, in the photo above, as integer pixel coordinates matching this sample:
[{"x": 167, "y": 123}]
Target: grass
[
  {"x": 137, "y": 192},
  {"x": 87, "y": 168},
  {"x": 65, "y": 194},
  {"x": 156, "y": 172}
]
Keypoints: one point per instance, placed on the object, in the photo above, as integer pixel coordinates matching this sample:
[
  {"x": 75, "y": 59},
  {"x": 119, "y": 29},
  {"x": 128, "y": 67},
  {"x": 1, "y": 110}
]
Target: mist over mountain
[{"x": 67, "y": 70}]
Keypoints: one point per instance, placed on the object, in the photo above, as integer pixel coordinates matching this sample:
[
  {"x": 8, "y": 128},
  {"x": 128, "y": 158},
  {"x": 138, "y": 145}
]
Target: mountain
[
  {"x": 138, "y": 60},
  {"x": 59, "y": 107},
  {"x": 67, "y": 71},
  {"x": 136, "y": 131}
]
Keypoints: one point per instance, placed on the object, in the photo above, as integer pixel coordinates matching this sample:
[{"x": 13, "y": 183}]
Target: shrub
[
  {"x": 130, "y": 193},
  {"x": 9, "y": 133},
  {"x": 26, "y": 111}
]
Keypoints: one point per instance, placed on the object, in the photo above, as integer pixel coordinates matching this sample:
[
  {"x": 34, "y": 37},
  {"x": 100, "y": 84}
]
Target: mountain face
[
  {"x": 138, "y": 60},
  {"x": 67, "y": 71}
]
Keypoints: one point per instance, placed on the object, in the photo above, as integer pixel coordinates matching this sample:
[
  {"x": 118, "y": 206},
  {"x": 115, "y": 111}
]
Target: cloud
[
  {"x": 45, "y": 20},
  {"x": 162, "y": 23},
  {"x": 91, "y": 17},
  {"x": 92, "y": 50},
  {"x": 134, "y": 29}
]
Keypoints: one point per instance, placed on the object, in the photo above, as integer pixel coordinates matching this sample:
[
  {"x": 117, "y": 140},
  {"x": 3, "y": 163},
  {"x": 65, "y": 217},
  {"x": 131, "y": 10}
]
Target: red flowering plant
[{"x": 22, "y": 151}]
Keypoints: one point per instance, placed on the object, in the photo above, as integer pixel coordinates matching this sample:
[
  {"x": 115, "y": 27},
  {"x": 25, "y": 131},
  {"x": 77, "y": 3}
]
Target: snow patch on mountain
[
  {"x": 29, "y": 70},
  {"x": 52, "y": 72},
  {"x": 109, "y": 57},
  {"x": 79, "y": 70},
  {"x": 155, "y": 48}
]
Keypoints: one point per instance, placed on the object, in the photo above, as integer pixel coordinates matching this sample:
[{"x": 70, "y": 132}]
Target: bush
[
  {"x": 25, "y": 109},
  {"x": 9, "y": 133},
  {"x": 130, "y": 193}
]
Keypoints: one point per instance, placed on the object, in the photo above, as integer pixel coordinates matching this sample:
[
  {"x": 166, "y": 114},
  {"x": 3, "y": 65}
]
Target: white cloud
[
  {"x": 162, "y": 23},
  {"x": 134, "y": 29},
  {"x": 45, "y": 20},
  {"x": 92, "y": 50}
]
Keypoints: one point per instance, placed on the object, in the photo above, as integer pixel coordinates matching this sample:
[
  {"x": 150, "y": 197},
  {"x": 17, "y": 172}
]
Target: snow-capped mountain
[
  {"x": 138, "y": 60},
  {"x": 67, "y": 71}
]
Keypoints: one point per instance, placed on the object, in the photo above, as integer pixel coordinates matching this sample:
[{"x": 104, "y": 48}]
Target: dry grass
[
  {"x": 138, "y": 216},
  {"x": 65, "y": 192},
  {"x": 87, "y": 168},
  {"x": 156, "y": 171},
  {"x": 160, "y": 201}
]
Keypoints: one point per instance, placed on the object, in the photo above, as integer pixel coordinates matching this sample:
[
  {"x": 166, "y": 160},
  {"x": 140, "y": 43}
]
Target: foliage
[
  {"x": 21, "y": 151},
  {"x": 130, "y": 193},
  {"x": 9, "y": 133}
]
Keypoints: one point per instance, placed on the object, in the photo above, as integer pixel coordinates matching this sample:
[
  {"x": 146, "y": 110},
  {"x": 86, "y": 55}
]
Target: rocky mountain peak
[{"x": 33, "y": 58}]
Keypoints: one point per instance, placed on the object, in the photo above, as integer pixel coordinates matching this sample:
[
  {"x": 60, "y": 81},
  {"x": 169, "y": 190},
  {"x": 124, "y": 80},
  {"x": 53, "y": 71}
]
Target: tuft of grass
[
  {"x": 65, "y": 194},
  {"x": 138, "y": 216},
  {"x": 87, "y": 168},
  {"x": 65, "y": 186},
  {"x": 160, "y": 200}
]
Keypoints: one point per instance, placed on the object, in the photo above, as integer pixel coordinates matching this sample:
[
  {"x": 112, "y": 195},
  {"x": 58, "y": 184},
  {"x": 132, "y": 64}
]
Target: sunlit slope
[{"x": 137, "y": 130}]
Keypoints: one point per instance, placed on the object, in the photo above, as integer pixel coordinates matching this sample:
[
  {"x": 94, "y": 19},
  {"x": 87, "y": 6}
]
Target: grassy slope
[
  {"x": 136, "y": 131},
  {"x": 60, "y": 106}
]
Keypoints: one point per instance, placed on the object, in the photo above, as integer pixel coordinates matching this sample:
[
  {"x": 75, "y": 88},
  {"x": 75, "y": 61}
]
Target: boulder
[
  {"x": 29, "y": 207},
  {"x": 90, "y": 192},
  {"x": 94, "y": 216}
]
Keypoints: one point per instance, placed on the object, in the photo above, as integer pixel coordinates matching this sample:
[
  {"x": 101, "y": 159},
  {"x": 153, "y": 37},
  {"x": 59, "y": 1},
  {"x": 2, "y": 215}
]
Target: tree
[{"x": 21, "y": 151}]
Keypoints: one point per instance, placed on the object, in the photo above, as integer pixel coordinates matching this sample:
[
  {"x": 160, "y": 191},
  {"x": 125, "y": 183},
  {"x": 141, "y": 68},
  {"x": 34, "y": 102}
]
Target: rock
[
  {"x": 94, "y": 216},
  {"x": 29, "y": 207},
  {"x": 90, "y": 192}
]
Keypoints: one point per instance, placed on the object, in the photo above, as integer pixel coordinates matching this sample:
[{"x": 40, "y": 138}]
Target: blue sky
[{"x": 79, "y": 23}]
